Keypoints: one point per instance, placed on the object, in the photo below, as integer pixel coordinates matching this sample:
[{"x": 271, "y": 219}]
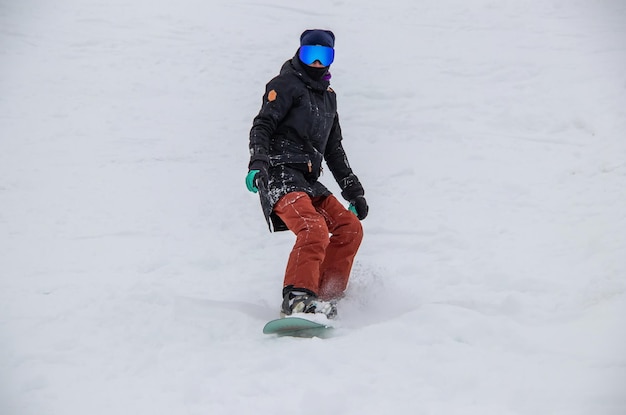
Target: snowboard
[{"x": 298, "y": 327}]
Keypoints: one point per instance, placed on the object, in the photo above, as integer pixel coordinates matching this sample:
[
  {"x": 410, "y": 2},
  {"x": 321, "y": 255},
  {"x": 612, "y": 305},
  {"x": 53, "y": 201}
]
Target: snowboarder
[{"x": 296, "y": 129}]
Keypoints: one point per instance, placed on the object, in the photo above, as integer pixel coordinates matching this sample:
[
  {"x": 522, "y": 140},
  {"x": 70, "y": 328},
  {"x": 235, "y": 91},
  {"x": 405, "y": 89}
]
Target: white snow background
[{"x": 136, "y": 270}]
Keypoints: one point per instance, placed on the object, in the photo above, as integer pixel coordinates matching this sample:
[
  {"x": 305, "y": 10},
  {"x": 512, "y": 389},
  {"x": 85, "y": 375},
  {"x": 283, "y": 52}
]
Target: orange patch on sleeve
[{"x": 271, "y": 96}]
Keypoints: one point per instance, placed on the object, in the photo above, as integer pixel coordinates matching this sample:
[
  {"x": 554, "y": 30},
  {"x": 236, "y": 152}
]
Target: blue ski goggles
[{"x": 324, "y": 54}]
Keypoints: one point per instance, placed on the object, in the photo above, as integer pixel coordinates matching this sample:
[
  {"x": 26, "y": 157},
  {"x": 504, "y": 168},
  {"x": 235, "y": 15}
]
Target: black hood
[{"x": 295, "y": 66}]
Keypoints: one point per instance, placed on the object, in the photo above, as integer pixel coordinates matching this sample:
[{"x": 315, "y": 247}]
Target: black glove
[
  {"x": 359, "y": 207},
  {"x": 257, "y": 175}
]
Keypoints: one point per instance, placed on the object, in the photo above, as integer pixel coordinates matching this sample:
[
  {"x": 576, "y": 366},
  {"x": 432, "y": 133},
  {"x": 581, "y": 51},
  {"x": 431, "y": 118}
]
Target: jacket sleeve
[
  {"x": 337, "y": 162},
  {"x": 277, "y": 101}
]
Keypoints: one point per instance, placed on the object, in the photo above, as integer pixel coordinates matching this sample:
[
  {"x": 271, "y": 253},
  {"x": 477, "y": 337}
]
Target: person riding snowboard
[{"x": 296, "y": 129}]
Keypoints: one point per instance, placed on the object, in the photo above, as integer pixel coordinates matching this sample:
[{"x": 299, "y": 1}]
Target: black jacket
[{"x": 296, "y": 129}]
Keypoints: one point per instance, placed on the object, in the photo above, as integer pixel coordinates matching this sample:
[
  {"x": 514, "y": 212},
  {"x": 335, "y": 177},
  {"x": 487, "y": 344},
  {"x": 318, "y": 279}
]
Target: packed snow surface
[{"x": 137, "y": 272}]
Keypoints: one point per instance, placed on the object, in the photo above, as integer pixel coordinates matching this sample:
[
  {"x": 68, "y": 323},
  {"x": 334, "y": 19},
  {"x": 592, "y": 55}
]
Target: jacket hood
[{"x": 294, "y": 67}]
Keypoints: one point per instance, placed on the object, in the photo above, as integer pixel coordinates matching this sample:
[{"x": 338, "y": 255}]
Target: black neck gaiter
[{"x": 315, "y": 74}]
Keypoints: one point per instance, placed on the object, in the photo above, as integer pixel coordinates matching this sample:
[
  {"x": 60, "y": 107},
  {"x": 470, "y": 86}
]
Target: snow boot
[{"x": 297, "y": 300}]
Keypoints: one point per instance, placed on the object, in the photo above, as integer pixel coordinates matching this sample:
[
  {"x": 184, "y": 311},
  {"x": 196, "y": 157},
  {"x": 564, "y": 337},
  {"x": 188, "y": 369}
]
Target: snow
[{"x": 136, "y": 271}]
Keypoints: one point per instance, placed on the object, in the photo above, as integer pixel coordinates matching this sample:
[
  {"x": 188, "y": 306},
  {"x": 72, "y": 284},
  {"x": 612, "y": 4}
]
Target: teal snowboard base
[{"x": 297, "y": 327}]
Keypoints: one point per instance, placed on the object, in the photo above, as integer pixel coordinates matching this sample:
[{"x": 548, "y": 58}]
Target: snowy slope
[{"x": 136, "y": 271}]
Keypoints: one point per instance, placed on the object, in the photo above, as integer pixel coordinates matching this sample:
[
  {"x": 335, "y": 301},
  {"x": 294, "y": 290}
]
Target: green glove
[{"x": 250, "y": 183}]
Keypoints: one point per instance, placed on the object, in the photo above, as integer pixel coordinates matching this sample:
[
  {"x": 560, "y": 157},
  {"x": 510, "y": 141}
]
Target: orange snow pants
[{"x": 328, "y": 237}]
